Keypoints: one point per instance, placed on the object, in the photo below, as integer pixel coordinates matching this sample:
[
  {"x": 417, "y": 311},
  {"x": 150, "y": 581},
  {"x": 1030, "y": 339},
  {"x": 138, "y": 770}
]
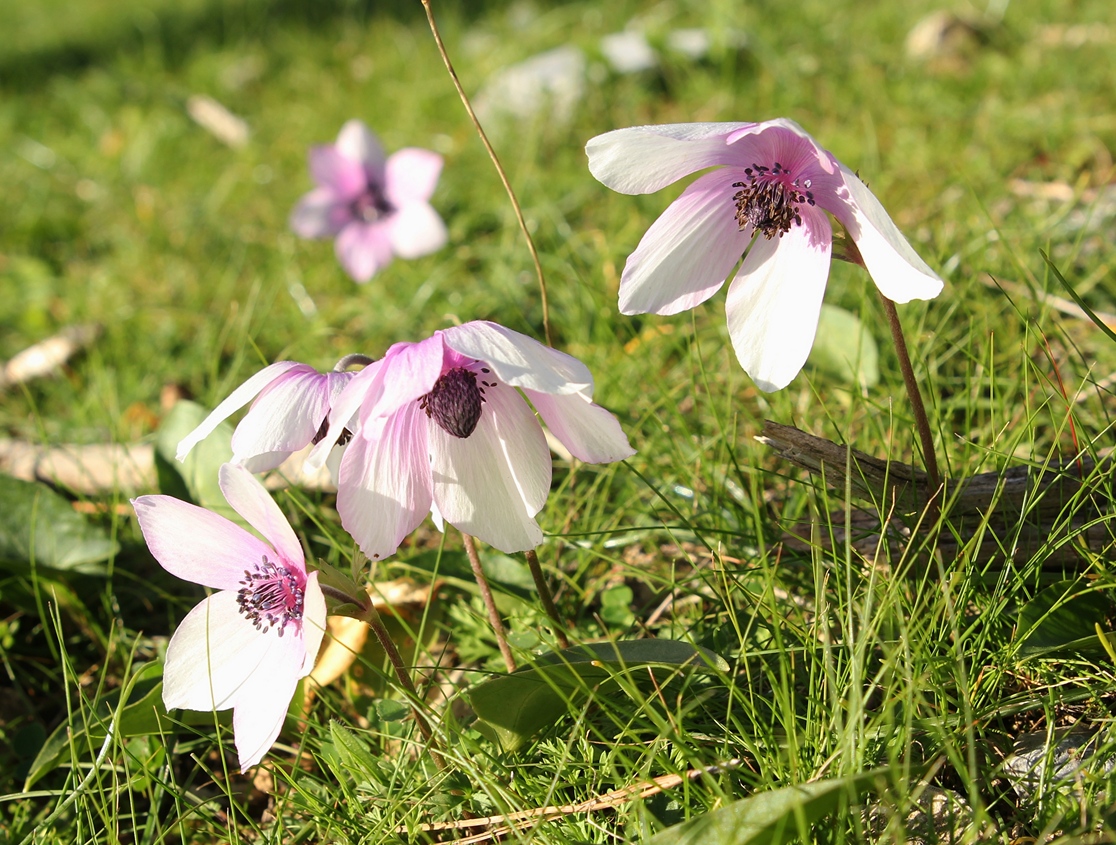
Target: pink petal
[
  {"x": 775, "y": 299},
  {"x": 283, "y": 419},
  {"x": 411, "y": 175},
  {"x": 333, "y": 170},
  {"x": 195, "y": 544},
  {"x": 358, "y": 143},
  {"x": 416, "y": 230},
  {"x": 409, "y": 372},
  {"x": 688, "y": 252},
  {"x": 591, "y": 433},
  {"x": 784, "y": 142},
  {"x": 251, "y": 500},
  {"x": 898, "y": 271},
  {"x": 519, "y": 360},
  {"x": 363, "y": 249},
  {"x": 236, "y": 400},
  {"x": 383, "y": 492},
  {"x": 343, "y": 407},
  {"x": 322, "y": 213},
  {"x": 643, "y": 159},
  {"x": 213, "y": 654},
  {"x": 492, "y": 483}
]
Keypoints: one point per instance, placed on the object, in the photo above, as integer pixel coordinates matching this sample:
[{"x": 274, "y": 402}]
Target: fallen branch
[{"x": 1012, "y": 514}]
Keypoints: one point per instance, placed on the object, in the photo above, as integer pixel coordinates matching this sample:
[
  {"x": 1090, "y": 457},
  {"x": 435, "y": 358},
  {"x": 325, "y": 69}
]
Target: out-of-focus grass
[{"x": 118, "y": 209}]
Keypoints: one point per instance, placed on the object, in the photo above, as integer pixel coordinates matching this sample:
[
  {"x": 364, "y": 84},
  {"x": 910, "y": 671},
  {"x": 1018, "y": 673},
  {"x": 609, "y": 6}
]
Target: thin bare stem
[
  {"x": 426, "y": 4},
  {"x": 489, "y": 602},
  {"x": 371, "y": 617},
  {"x": 547, "y": 599},
  {"x": 922, "y": 422}
]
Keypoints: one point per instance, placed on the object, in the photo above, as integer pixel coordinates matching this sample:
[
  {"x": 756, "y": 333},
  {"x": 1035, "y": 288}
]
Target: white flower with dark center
[
  {"x": 767, "y": 201},
  {"x": 249, "y": 643},
  {"x": 440, "y": 425}
]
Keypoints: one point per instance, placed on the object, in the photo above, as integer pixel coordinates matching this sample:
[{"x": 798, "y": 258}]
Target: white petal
[
  {"x": 410, "y": 175},
  {"x": 212, "y": 655},
  {"x": 898, "y": 271},
  {"x": 367, "y": 383},
  {"x": 251, "y": 500},
  {"x": 643, "y": 159},
  {"x": 591, "y": 433},
  {"x": 688, "y": 252},
  {"x": 775, "y": 299},
  {"x": 313, "y": 622},
  {"x": 195, "y": 544},
  {"x": 236, "y": 400},
  {"x": 416, "y": 230},
  {"x": 519, "y": 360},
  {"x": 259, "y": 717},
  {"x": 283, "y": 419},
  {"x": 492, "y": 483},
  {"x": 358, "y": 142},
  {"x": 383, "y": 491}
]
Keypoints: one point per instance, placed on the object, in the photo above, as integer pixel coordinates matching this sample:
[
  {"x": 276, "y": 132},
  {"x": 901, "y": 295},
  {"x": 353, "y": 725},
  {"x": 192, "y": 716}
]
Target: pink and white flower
[
  {"x": 249, "y": 643},
  {"x": 375, "y": 206},
  {"x": 291, "y": 409},
  {"x": 771, "y": 180},
  {"x": 441, "y": 425}
]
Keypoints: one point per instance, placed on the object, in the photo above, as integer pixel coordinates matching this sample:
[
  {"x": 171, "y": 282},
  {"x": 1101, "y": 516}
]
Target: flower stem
[
  {"x": 371, "y": 617},
  {"x": 922, "y": 422},
  {"x": 426, "y": 4},
  {"x": 489, "y": 602},
  {"x": 547, "y": 599}
]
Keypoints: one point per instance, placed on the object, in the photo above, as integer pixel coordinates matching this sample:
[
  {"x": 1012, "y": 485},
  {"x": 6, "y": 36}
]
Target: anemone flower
[
  {"x": 440, "y": 425},
  {"x": 767, "y": 198},
  {"x": 375, "y": 206},
  {"x": 249, "y": 643},
  {"x": 290, "y": 410}
]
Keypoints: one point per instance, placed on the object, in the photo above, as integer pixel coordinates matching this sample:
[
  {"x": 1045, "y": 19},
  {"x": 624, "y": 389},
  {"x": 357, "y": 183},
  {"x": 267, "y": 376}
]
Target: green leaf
[
  {"x": 515, "y": 707},
  {"x": 194, "y": 479},
  {"x": 844, "y": 348},
  {"x": 772, "y": 817},
  {"x": 40, "y": 526},
  {"x": 1061, "y": 619}
]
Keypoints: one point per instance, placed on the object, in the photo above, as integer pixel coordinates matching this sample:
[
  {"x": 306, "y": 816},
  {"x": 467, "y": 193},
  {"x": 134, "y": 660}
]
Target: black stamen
[
  {"x": 455, "y": 402},
  {"x": 271, "y": 596},
  {"x": 770, "y": 205}
]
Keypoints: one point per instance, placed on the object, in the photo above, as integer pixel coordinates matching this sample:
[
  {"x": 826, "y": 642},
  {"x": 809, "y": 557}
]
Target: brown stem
[
  {"x": 922, "y": 422},
  {"x": 547, "y": 599},
  {"x": 426, "y": 4},
  {"x": 489, "y": 602},
  {"x": 372, "y": 618}
]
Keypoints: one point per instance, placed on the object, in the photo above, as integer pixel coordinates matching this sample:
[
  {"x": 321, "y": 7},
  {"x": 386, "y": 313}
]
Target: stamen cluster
[
  {"x": 271, "y": 596},
  {"x": 455, "y": 401},
  {"x": 769, "y": 200},
  {"x": 371, "y": 205}
]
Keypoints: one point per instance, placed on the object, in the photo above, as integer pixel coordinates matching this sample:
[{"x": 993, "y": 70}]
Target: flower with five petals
[
  {"x": 766, "y": 200},
  {"x": 376, "y": 206}
]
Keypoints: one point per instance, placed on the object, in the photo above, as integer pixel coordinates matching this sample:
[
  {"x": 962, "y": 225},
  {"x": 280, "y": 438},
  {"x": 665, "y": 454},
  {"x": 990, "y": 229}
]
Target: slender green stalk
[
  {"x": 922, "y": 422},
  {"x": 426, "y": 4},
  {"x": 547, "y": 599},
  {"x": 489, "y": 602},
  {"x": 371, "y": 617}
]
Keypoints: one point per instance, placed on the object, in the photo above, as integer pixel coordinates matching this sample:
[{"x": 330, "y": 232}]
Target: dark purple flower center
[
  {"x": 271, "y": 595},
  {"x": 455, "y": 402},
  {"x": 770, "y": 199},
  {"x": 371, "y": 205}
]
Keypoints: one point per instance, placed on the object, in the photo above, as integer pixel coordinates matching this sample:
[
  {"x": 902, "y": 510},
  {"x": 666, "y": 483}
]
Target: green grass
[{"x": 119, "y": 210}]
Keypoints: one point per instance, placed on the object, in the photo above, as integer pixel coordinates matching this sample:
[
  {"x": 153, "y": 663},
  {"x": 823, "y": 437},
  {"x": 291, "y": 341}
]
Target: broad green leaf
[
  {"x": 515, "y": 707},
  {"x": 194, "y": 479},
  {"x": 844, "y": 348},
  {"x": 1061, "y": 619},
  {"x": 39, "y": 526},
  {"x": 773, "y": 817}
]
